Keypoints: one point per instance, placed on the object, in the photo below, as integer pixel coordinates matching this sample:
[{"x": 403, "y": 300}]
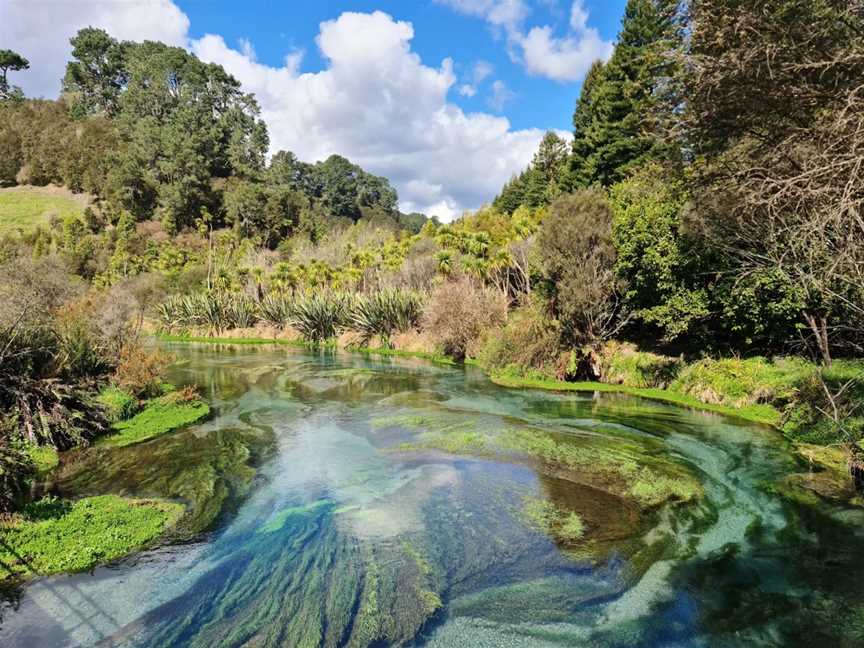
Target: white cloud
[
  {"x": 479, "y": 72},
  {"x": 379, "y": 105},
  {"x": 501, "y": 94},
  {"x": 40, "y": 31},
  {"x": 539, "y": 50},
  {"x": 376, "y": 102}
]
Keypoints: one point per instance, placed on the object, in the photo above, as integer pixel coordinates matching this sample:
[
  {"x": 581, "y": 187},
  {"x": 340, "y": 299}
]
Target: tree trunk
[{"x": 819, "y": 327}]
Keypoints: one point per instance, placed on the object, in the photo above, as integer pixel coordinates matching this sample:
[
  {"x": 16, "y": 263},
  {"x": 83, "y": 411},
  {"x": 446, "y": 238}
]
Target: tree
[
  {"x": 577, "y": 257},
  {"x": 775, "y": 114},
  {"x": 96, "y": 77},
  {"x": 655, "y": 258},
  {"x": 10, "y": 61},
  {"x": 615, "y": 120}
]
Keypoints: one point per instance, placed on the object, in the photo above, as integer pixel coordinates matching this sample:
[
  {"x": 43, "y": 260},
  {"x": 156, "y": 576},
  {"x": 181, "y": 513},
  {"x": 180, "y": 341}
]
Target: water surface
[{"x": 354, "y": 501}]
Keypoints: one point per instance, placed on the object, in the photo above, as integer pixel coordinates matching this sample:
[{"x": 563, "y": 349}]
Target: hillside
[{"x": 26, "y": 207}]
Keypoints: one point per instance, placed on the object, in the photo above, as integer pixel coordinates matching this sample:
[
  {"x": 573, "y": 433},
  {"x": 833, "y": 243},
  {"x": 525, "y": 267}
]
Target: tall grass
[{"x": 321, "y": 316}]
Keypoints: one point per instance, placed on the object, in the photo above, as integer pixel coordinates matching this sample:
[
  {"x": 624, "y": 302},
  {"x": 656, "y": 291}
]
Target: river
[{"x": 363, "y": 501}]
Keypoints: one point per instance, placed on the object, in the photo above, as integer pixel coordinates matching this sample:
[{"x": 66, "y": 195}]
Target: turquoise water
[{"x": 340, "y": 500}]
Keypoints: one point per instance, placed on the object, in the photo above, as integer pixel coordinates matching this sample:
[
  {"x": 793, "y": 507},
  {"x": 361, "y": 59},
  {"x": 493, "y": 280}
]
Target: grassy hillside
[{"x": 25, "y": 207}]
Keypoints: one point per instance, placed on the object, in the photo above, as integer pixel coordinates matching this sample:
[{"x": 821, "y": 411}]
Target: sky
[{"x": 446, "y": 98}]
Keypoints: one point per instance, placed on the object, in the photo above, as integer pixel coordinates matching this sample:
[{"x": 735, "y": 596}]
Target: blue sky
[
  {"x": 446, "y": 98},
  {"x": 275, "y": 27}
]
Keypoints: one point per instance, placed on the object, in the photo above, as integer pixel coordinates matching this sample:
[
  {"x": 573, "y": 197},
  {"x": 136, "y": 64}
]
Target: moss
[
  {"x": 612, "y": 465},
  {"x": 44, "y": 458},
  {"x": 53, "y": 536},
  {"x": 164, "y": 337},
  {"x": 282, "y": 517},
  {"x": 119, "y": 405},
  {"x": 158, "y": 417}
]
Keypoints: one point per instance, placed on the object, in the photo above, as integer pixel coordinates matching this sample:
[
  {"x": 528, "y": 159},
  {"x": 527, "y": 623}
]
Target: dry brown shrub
[
  {"x": 457, "y": 314},
  {"x": 140, "y": 372}
]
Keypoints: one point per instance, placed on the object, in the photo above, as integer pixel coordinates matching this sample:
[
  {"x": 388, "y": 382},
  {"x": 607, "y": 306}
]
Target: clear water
[{"x": 343, "y": 535}]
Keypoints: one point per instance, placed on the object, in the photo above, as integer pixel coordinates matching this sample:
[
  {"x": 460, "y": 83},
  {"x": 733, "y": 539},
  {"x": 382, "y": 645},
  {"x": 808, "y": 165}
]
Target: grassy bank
[
  {"x": 760, "y": 413},
  {"x": 159, "y": 416},
  {"x": 53, "y": 536}
]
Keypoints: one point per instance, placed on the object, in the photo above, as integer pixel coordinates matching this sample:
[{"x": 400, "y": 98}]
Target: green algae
[
  {"x": 545, "y": 516},
  {"x": 53, "y": 536},
  {"x": 209, "y": 473}
]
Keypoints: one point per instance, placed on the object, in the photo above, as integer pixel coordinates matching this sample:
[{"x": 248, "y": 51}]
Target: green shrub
[
  {"x": 829, "y": 406},
  {"x": 118, "y": 404},
  {"x": 623, "y": 364},
  {"x": 321, "y": 316},
  {"x": 737, "y": 382},
  {"x": 529, "y": 342},
  {"x": 386, "y": 312}
]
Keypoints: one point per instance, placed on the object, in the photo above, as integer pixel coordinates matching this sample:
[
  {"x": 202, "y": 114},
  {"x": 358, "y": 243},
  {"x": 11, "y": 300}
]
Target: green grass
[
  {"x": 27, "y": 208},
  {"x": 53, "y": 536},
  {"x": 159, "y": 416},
  {"x": 45, "y": 458},
  {"x": 759, "y": 413},
  {"x": 164, "y": 337},
  {"x": 118, "y": 404}
]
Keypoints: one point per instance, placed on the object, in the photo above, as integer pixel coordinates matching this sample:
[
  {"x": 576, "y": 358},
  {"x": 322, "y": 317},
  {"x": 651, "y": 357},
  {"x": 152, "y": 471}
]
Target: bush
[
  {"x": 530, "y": 340},
  {"x": 829, "y": 406},
  {"x": 623, "y": 364},
  {"x": 386, "y": 312},
  {"x": 737, "y": 382},
  {"x": 577, "y": 256},
  {"x": 321, "y": 316},
  {"x": 458, "y": 312},
  {"x": 141, "y": 372},
  {"x": 119, "y": 405}
]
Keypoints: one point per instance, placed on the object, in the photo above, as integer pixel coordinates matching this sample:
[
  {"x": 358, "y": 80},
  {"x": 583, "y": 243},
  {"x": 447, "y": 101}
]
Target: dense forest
[{"x": 702, "y": 231}]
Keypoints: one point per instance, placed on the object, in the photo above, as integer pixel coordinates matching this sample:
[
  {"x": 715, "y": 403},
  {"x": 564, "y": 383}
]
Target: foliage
[
  {"x": 616, "y": 123},
  {"x": 119, "y": 405},
  {"x": 13, "y": 61},
  {"x": 530, "y": 340},
  {"x": 740, "y": 382},
  {"x": 321, "y": 316},
  {"x": 386, "y": 312},
  {"x": 458, "y": 312},
  {"x": 16, "y": 469},
  {"x": 776, "y": 120},
  {"x": 139, "y": 372},
  {"x": 577, "y": 256},
  {"x": 623, "y": 364},
  {"x": 654, "y": 256},
  {"x": 159, "y": 416},
  {"x": 53, "y": 536}
]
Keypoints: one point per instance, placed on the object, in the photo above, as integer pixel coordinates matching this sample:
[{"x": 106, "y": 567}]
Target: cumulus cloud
[
  {"x": 376, "y": 102},
  {"x": 563, "y": 58},
  {"x": 40, "y": 31}
]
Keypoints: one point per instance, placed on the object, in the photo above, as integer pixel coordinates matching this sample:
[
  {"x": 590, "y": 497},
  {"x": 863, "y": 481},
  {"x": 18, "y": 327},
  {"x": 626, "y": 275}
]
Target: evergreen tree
[
  {"x": 10, "y": 61},
  {"x": 615, "y": 120}
]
